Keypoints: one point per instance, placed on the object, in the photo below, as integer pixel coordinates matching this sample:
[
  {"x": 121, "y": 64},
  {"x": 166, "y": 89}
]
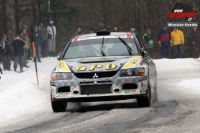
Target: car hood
[{"x": 98, "y": 64}]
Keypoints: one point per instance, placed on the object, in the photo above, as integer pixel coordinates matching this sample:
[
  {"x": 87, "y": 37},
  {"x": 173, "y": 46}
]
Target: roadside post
[{"x": 34, "y": 55}]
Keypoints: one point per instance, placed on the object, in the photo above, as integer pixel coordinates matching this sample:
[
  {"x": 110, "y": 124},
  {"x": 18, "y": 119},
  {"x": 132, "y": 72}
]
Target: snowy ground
[
  {"x": 20, "y": 97},
  {"x": 178, "y": 97}
]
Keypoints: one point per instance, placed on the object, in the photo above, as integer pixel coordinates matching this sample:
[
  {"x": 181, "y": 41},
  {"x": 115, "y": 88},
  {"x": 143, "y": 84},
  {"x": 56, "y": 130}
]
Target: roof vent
[{"x": 103, "y": 32}]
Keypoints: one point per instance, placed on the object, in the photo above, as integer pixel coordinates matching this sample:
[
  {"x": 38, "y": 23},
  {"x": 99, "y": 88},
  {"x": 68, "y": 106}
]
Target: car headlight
[
  {"x": 132, "y": 72},
  {"x": 61, "y": 76}
]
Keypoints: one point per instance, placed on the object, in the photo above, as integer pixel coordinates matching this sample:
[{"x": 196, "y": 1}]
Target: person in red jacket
[{"x": 164, "y": 41}]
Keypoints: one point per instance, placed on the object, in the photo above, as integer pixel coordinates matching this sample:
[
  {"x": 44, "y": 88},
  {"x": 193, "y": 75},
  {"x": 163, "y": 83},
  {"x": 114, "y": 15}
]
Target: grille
[
  {"x": 96, "y": 89},
  {"x": 99, "y": 74}
]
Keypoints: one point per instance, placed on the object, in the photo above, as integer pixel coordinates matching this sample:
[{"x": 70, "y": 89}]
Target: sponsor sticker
[
  {"x": 132, "y": 62},
  {"x": 130, "y": 91},
  {"x": 63, "y": 66},
  {"x": 62, "y": 94},
  {"x": 97, "y": 59},
  {"x": 96, "y": 66}
]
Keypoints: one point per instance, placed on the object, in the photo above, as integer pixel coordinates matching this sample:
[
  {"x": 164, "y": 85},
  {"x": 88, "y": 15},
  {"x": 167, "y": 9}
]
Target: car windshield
[{"x": 91, "y": 48}]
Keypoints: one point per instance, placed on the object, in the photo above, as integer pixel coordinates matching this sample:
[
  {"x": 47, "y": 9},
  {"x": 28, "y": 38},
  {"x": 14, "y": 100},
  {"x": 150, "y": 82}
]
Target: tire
[
  {"x": 58, "y": 106},
  {"x": 145, "y": 101}
]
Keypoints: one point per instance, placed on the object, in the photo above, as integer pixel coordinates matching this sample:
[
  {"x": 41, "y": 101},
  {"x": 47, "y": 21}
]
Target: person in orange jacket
[{"x": 177, "y": 40}]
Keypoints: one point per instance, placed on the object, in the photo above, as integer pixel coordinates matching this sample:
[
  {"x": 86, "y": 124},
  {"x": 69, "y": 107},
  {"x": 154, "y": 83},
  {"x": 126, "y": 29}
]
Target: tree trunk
[
  {"x": 40, "y": 14},
  {"x": 4, "y": 17},
  {"x": 34, "y": 12},
  {"x": 17, "y": 16},
  {"x": 49, "y": 8},
  {"x": 105, "y": 13}
]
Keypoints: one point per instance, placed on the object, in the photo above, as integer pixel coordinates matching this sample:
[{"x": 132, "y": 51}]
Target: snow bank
[
  {"x": 177, "y": 64},
  {"x": 19, "y": 94}
]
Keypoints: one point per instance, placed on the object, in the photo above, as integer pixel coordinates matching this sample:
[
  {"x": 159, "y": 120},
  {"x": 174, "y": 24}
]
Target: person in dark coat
[
  {"x": 78, "y": 32},
  {"x": 18, "y": 45},
  {"x": 91, "y": 31},
  {"x": 195, "y": 37},
  {"x": 42, "y": 29},
  {"x": 37, "y": 39},
  {"x": 133, "y": 30},
  {"x": 5, "y": 53},
  {"x": 164, "y": 41},
  {"x": 115, "y": 29}
]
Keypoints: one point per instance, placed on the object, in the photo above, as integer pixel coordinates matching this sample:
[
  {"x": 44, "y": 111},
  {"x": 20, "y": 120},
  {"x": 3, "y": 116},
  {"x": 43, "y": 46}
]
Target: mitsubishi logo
[{"x": 95, "y": 76}]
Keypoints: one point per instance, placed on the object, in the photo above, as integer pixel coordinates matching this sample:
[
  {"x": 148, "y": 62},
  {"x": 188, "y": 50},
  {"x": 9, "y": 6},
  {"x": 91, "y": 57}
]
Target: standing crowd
[
  {"x": 42, "y": 37},
  {"x": 175, "y": 39}
]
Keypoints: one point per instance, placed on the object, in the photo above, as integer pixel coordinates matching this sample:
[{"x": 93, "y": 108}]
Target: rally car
[{"x": 103, "y": 66}]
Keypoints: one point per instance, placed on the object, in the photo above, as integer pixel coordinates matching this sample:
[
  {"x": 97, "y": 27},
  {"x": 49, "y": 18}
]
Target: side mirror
[
  {"x": 143, "y": 52},
  {"x": 60, "y": 55}
]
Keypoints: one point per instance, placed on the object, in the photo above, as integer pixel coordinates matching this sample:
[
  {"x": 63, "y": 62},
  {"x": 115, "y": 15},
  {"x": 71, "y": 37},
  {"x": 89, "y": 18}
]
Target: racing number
[
  {"x": 61, "y": 65},
  {"x": 92, "y": 67}
]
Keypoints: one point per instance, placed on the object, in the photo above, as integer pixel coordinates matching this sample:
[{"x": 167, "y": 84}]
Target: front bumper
[{"x": 75, "y": 85}]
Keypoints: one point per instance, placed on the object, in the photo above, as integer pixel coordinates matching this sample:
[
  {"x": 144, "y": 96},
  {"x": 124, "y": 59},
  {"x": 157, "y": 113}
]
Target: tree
[
  {"x": 34, "y": 12},
  {"x": 105, "y": 13},
  {"x": 17, "y": 19},
  {"x": 4, "y": 17}
]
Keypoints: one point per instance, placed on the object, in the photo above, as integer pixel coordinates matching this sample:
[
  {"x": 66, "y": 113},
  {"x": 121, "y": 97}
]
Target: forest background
[{"x": 96, "y": 14}]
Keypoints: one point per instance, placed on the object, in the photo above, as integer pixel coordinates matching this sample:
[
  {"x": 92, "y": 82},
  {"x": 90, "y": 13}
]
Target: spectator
[
  {"x": 148, "y": 39},
  {"x": 78, "y": 32},
  {"x": 177, "y": 39},
  {"x": 5, "y": 52},
  {"x": 28, "y": 33},
  {"x": 18, "y": 45},
  {"x": 51, "y": 33},
  {"x": 42, "y": 29},
  {"x": 37, "y": 39},
  {"x": 164, "y": 41},
  {"x": 0, "y": 71},
  {"x": 24, "y": 36},
  {"x": 133, "y": 30},
  {"x": 195, "y": 37},
  {"x": 115, "y": 29},
  {"x": 91, "y": 31}
]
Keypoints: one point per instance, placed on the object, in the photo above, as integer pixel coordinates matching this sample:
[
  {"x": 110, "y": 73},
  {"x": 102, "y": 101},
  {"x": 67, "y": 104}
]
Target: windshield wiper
[
  {"x": 101, "y": 46},
  {"x": 127, "y": 46}
]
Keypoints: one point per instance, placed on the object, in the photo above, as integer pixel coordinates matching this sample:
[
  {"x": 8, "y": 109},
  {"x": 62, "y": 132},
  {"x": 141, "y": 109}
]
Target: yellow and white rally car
[{"x": 103, "y": 66}]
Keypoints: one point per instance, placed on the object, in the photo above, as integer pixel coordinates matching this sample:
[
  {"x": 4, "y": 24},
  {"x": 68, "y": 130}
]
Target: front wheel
[
  {"x": 58, "y": 106},
  {"x": 145, "y": 101}
]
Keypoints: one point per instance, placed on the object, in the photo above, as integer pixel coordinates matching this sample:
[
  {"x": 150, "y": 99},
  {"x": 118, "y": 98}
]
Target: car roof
[{"x": 95, "y": 36}]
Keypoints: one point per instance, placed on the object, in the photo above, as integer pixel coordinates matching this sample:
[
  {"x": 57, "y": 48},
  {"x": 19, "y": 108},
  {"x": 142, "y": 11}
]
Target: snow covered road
[{"x": 25, "y": 107}]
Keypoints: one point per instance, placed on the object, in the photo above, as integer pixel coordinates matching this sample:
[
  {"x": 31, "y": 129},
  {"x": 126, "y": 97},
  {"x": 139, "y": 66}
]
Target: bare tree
[
  {"x": 105, "y": 13},
  {"x": 17, "y": 19},
  {"x": 34, "y": 12}
]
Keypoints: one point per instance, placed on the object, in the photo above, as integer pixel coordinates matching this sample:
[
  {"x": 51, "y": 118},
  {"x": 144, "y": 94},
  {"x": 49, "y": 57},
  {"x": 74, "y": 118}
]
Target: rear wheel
[
  {"x": 145, "y": 101},
  {"x": 58, "y": 106}
]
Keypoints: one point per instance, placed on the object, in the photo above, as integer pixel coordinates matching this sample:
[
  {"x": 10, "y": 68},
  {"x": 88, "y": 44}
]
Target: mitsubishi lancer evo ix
[{"x": 100, "y": 67}]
